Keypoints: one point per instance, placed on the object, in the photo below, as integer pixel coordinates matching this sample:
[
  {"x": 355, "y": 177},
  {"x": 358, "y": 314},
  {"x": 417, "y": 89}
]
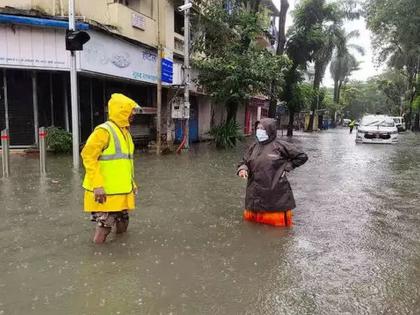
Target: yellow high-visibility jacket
[{"x": 120, "y": 194}]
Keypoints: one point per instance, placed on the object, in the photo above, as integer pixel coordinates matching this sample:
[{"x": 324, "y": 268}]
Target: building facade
[{"x": 121, "y": 56}]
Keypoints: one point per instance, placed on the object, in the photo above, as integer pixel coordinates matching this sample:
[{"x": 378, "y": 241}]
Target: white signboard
[
  {"x": 115, "y": 57},
  {"x": 36, "y": 48},
  {"x": 138, "y": 21}
]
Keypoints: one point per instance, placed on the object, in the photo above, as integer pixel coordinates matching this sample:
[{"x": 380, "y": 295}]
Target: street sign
[{"x": 167, "y": 66}]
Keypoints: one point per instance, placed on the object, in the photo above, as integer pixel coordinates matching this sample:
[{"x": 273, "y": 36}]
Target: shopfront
[{"x": 34, "y": 81}]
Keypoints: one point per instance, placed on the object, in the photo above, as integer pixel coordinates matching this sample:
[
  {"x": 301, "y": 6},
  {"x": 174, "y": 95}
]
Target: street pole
[
  {"x": 5, "y": 152},
  {"x": 187, "y": 73},
  {"x": 73, "y": 92},
  {"x": 42, "y": 150},
  {"x": 159, "y": 90}
]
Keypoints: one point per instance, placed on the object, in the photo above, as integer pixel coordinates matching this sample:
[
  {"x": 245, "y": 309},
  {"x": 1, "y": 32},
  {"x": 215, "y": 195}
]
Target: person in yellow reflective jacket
[
  {"x": 351, "y": 125},
  {"x": 109, "y": 183}
]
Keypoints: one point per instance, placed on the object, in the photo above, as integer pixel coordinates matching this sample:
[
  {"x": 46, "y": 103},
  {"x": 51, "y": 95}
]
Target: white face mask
[{"x": 261, "y": 135}]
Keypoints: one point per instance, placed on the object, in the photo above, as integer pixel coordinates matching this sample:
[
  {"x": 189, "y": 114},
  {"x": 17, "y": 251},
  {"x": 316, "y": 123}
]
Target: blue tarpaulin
[{"x": 26, "y": 20}]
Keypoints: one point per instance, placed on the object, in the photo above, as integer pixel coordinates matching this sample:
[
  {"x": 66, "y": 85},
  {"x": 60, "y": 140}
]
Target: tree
[
  {"x": 392, "y": 84},
  {"x": 319, "y": 24},
  {"x": 281, "y": 41},
  {"x": 396, "y": 38},
  {"x": 344, "y": 63},
  {"x": 299, "y": 96},
  {"x": 232, "y": 67},
  {"x": 359, "y": 98}
]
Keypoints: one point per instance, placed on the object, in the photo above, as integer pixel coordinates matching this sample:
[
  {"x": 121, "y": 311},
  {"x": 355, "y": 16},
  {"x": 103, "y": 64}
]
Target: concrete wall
[
  {"x": 204, "y": 116},
  {"x": 116, "y": 17},
  {"x": 218, "y": 115},
  {"x": 240, "y": 117}
]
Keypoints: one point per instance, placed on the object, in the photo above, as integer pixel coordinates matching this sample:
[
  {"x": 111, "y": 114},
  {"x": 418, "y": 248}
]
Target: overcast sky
[{"x": 367, "y": 67}]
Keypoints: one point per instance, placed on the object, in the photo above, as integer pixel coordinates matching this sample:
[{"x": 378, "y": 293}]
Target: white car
[{"x": 377, "y": 129}]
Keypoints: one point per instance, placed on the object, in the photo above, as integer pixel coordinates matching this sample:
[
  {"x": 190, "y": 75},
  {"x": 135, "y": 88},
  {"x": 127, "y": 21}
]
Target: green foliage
[
  {"x": 396, "y": 38},
  {"x": 396, "y": 29},
  {"x": 59, "y": 140},
  {"x": 317, "y": 31},
  {"x": 238, "y": 76},
  {"x": 301, "y": 97},
  {"x": 232, "y": 65},
  {"x": 359, "y": 98},
  {"x": 227, "y": 134},
  {"x": 416, "y": 103},
  {"x": 393, "y": 84},
  {"x": 344, "y": 62}
]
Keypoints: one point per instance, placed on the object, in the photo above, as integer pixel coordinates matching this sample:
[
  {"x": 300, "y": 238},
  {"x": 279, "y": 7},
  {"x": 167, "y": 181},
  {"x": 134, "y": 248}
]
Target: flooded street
[{"x": 354, "y": 247}]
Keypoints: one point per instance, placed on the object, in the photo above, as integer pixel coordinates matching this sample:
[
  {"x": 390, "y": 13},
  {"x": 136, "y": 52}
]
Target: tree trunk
[
  {"x": 416, "y": 122},
  {"x": 339, "y": 91},
  {"x": 291, "y": 122},
  {"x": 336, "y": 92},
  {"x": 273, "y": 102},
  {"x": 256, "y": 6},
  {"x": 231, "y": 110},
  {"x": 411, "y": 84},
  {"x": 281, "y": 41},
  {"x": 281, "y": 37},
  {"x": 315, "y": 99}
]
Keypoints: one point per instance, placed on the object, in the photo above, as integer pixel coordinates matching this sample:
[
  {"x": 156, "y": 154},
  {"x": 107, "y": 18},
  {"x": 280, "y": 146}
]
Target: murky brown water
[{"x": 354, "y": 249}]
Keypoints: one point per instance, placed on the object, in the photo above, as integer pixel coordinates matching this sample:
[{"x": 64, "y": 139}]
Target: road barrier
[
  {"x": 5, "y": 152},
  {"x": 42, "y": 150}
]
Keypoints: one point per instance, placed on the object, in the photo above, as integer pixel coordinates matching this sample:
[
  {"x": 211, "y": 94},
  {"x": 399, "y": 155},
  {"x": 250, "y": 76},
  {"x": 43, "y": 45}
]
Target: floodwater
[{"x": 354, "y": 248}]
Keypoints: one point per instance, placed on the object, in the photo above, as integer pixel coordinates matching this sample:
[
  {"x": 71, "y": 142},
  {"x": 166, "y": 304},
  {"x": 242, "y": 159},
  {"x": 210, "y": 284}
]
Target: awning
[{"x": 26, "y": 20}]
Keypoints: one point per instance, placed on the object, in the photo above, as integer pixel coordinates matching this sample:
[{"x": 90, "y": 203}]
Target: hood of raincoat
[
  {"x": 120, "y": 108},
  {"x": 270, "y": 126}
]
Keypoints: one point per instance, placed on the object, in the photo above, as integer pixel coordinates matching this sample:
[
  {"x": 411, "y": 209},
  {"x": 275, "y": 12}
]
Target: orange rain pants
[{"x": 279, "y": 218}]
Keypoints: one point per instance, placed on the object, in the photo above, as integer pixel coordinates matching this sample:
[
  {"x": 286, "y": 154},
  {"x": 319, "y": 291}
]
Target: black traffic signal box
[{"x": 76, "y": 39}]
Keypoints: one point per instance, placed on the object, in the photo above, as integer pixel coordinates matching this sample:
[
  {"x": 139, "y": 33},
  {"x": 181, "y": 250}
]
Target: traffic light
[{"x": 76, "y": 39}]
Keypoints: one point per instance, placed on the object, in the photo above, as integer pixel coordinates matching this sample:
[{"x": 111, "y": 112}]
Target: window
[
  {"x": 179, "y": 23},
  {"x": 132, "y": 4},
  {"x": 144, "y": 7}
]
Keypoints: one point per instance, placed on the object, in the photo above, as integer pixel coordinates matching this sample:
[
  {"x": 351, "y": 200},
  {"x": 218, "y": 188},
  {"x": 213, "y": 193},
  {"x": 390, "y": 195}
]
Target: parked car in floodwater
[{"x": 377, "y": 129}]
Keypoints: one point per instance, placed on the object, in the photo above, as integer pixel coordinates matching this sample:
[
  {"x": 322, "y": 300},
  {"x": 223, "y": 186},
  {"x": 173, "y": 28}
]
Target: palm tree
[
  {"x": 331, "y": 37},
  {"x": 344, "y": 62}
]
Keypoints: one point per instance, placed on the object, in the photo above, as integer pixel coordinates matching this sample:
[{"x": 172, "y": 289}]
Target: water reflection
[{"x": 354, "y": 247}]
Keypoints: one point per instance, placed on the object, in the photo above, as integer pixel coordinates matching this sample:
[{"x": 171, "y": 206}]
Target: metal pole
[
  {"x": 42, "y": 150},
  {"x": 159, "y": 89},
  {"x": 187, "y": 72},
  {"x": 74, "y": 93},
  {"x": 5, "y": 152}
]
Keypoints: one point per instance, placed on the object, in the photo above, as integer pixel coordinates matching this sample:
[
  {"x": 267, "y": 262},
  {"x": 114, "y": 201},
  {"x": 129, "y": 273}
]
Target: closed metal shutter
[{"x": 21, "y": 114}]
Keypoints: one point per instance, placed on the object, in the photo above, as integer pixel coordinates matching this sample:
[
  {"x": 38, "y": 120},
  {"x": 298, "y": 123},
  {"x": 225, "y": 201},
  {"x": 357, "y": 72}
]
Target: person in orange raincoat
[
  {"x": 109, "y": 183},
  {"x": 269, "y": 197}
]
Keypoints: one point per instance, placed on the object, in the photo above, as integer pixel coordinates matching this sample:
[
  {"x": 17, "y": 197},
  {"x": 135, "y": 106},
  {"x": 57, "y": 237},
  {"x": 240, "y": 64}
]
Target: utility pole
[
  {"x": 187, "y": 72},
  {"x": 74, "y": 93},
  {"x": 159, "y": 88}
]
